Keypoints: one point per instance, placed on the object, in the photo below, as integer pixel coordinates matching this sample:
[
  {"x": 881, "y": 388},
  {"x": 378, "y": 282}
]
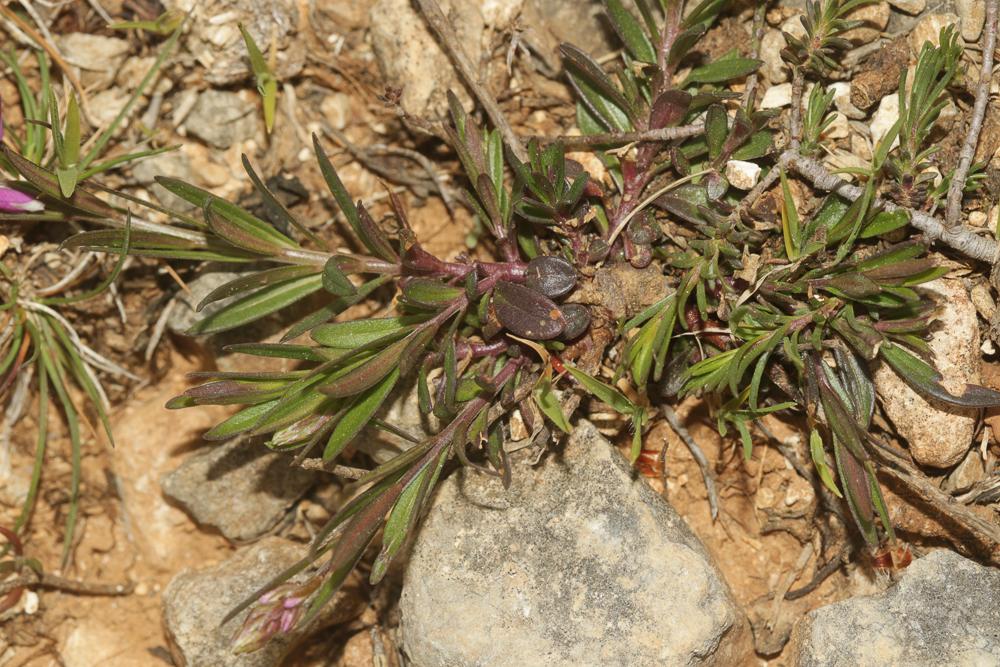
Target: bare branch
[
  {"x": 750, "y": 94},
  {"x": 699, "y": 457},
  {"x": 959, "y": 237},
  {"x": 953, "y": 210},
  {"x": 661, "y": 134}
]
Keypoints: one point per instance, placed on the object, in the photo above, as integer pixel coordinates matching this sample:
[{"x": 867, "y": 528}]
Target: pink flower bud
[{"x": 15, "y": 201}]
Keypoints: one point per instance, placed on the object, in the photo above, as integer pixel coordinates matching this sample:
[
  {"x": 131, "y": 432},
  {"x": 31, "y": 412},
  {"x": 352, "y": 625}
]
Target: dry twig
[
  {"x": 953, "y": 209},
  {"x": 750, "y": 94},
  {"x": 959, "y": 237},
  {"x": 699, "y": 457},
  {"x": 45, "y": 580},
  {"x": 442, "y": 27},
  {"x": 662, "y": 134}
]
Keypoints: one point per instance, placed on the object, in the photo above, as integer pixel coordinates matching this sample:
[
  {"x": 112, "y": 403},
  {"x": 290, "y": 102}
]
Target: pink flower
[
  {"x": 276, "y": 612},
  {"x": 11, "y": 199}
]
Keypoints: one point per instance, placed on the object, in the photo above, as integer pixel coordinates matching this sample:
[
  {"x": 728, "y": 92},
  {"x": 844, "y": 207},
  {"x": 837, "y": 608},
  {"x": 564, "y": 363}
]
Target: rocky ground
[{"x": 582, "y": 561}]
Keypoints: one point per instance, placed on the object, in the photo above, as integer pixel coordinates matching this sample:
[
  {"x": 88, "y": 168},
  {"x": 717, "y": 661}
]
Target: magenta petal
[{"x": 15, "y": 201}]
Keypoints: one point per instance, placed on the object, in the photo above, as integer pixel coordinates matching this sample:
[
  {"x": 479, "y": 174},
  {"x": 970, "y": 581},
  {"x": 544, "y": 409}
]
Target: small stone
[
  {"x": 884, "y": 118},
  {"x": 30, "y": 602},
  {"x": 793, "y": 26},
  {"x": 106, "y": 105},
  {"x": 912, "y": 7},
  {"x": 839, "y": 127},
  {"x": 938, "y": 435},
  {"x": 928, "y": 29},
  {"x": 944, "y": 611},
  {"x": 174, "y": 164},
  {"x": 577, "y": 563},
  {"x": 775, "y": 68},
  {"x": 336, "y": 108},
  {"x": 842, "y": 101},
  {"x": 263, "y": 481},
  {"x": 777, "y": 96},
  {"x": 972, "y": 13},
  {"x": 135, "y": 69},
  {"x": 222, "y": 118},
  {"x": 93, "y": 52},
  {"x": 966, "y": 474},
  {"x": 196, "y": 601},
  {"x": 742, "y": 175},
  {"x": 875, "y": 18},
  {"x": 977, "y": 219}
]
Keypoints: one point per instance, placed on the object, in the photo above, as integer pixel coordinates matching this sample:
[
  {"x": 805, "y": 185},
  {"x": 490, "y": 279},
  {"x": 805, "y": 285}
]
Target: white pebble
[
  {"x": 777, "y": 97},
  {"x": 742, "y": 175}
]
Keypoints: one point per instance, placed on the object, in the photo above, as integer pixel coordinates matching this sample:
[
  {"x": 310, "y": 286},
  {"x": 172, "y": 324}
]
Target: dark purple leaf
[
  {"x": 577, "y": 318},
  {"x": 669, "y": 109},
  {"x": 527, "y": 313},
  {"x": 551, "y": 275}
]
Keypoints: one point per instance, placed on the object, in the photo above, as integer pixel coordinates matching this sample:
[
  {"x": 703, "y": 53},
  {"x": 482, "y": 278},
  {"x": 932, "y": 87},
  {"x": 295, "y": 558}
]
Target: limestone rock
[
  {"x": 944, "y": 611},
  {"x": 410, "y": 57},
  {"x": 938, "y": 435},
  {"x": 912, "y": 7},
  {"x": 973, "y": 15},
  {"x": 196, "y": 601},
  {"x": 928, "y": 29},
  {"x": 777, "y": 96},
  {"x": 875, "y": 17},
  {"x": 884, "y": 118},
  {"x": 239, "y": 487},
  {"x": 214, "y": 37},
  {"x": 576, "y": 564},
  {"x": 774, "y": 67}
]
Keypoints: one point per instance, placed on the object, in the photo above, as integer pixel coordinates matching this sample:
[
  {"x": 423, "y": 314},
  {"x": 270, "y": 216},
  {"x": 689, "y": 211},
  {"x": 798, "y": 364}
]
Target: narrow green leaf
[
  {"x": 358, "y": 415},
  {"x": 548, "y": 403},
  {"x": 630, "y": 32},
  {"x": 259, "y": 304},
  {"x": 819, "y": 460},
  {"x": 255, "y": 281},
  {"x": 267, "y": 84}
]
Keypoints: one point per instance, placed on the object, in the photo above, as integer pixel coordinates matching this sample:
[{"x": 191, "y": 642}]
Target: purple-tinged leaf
[
  {"x": 368, "y": 374},
  {"x": 577, "y": 318},
  {"x": 551, "y": 275},
  {"x": 669, "y": 109},
  {"x": 527, "y": 313},
  {"x": 925, "y": 380}
]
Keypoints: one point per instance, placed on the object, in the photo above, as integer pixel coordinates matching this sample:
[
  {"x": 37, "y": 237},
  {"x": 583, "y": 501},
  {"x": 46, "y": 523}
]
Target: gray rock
[
  {"x": 241, "y": 488},
  {"x": 576, "y": 564},
  {"x": 174, "y": 164},
  {"x": 196, "y": 601},
  {"x": 411, "y": 58},
  {"x": 184, "y": 313},
  {"x": 944, "y": 611},
  {"x": 221, "y": 118}
]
